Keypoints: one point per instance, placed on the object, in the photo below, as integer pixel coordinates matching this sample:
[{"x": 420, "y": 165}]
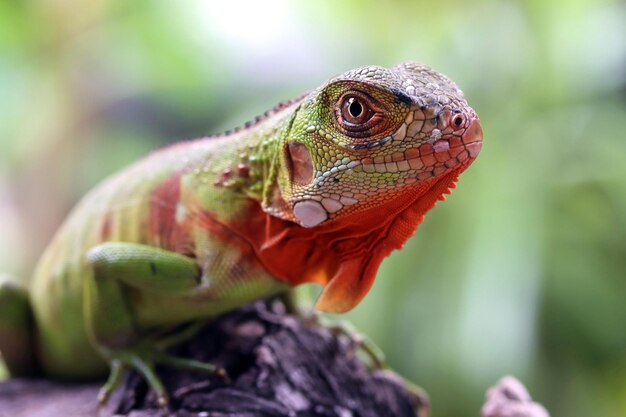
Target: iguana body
[{"x": 320, "y": 189}]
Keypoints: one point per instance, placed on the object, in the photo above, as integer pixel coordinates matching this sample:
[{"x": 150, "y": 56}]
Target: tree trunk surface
[{"x": 279, "y": 365}]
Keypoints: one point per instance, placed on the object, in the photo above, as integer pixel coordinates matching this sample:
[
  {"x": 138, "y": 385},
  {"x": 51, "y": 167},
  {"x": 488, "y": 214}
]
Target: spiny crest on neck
[{"x": 262, "y": 117}]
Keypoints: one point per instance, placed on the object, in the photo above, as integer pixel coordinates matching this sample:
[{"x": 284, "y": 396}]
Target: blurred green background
[{"x": 522, "y": 270}]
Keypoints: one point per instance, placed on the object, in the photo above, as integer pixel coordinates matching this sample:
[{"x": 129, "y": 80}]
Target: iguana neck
[
  {"x": 345, "y": 255},
  {"x": 248, "y": 158}
]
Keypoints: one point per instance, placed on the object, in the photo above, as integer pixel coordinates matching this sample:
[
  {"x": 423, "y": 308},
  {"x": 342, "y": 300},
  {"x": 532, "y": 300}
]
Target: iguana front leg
[{"x": 110, "y": 320}]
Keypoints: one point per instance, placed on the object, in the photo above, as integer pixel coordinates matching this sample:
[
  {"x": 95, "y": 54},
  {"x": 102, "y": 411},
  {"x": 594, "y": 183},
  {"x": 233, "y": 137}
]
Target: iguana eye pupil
[
  {"x": 355, "y": 110},
  {"x": 355, "y": 107}
]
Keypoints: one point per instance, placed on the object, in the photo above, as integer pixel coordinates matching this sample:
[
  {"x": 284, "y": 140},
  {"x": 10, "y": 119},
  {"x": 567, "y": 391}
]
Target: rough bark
[
  {"x": 509, "y": 398},
  {"x": 279, "y": 367}
]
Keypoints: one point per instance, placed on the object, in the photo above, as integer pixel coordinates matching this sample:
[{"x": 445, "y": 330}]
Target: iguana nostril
[{"x": 458, "y": 120}]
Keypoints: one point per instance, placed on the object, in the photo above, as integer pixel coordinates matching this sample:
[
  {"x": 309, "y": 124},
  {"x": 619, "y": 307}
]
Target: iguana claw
[{"x": 143, "y": 359}]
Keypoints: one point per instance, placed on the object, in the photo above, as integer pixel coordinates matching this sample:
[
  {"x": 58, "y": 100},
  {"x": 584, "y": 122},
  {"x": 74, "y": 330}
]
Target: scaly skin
[{"x": 320, "y": 189}]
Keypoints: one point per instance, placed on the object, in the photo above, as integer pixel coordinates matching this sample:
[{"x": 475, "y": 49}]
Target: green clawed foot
[
  {"x": 143, "y": 361},
  {"x": 360, "y": 341},
  {"x": 115, "y": 377},
  {"x": 421, "y": 401}
]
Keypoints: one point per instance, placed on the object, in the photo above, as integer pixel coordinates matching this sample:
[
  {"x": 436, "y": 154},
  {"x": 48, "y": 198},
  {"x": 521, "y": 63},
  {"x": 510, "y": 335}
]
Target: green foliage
[{"x": 522, "y": 271}]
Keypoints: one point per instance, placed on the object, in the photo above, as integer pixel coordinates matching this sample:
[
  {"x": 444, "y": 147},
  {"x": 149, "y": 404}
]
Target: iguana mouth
[
  {"x": 441, "y": 155},
  {"x": 414, "y": 159}
]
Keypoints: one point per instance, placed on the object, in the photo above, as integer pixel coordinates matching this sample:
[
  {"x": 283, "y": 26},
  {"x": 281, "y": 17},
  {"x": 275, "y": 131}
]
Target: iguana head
[
  {"x": 361, "y": 161},
  {"x": 371, "y": 136}
]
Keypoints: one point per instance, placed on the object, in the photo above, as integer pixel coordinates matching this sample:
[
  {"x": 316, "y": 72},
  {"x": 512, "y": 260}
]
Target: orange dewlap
[{"x": 343, "y": 256}]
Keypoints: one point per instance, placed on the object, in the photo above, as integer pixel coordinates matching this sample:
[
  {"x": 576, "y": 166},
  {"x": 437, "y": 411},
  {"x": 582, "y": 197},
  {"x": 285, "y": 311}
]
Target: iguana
[{"x": 317, "y": 190}]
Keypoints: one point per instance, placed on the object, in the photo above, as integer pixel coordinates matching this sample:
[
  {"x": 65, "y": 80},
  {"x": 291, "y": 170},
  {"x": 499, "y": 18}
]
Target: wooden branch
[
  {"x": 509, "y": 398},
  {"x": 280, "y": 367}
]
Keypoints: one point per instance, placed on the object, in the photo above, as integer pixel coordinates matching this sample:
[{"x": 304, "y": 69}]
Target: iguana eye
[
  {"x": 354, "y": 112},
  {"x": 358, "y": 114}
]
